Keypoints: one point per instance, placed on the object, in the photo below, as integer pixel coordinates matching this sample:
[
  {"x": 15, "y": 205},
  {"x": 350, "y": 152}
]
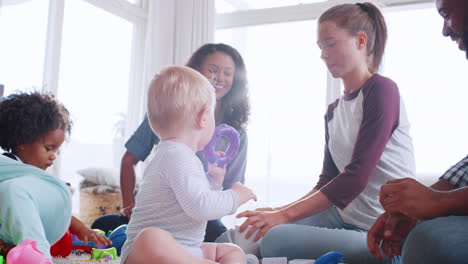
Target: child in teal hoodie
[{"x": 33, "y": 204}]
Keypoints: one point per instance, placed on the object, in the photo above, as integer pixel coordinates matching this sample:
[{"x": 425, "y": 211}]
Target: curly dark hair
[
  {"x": 235, "y": 107},
  {"x": 26, "y": 117}
]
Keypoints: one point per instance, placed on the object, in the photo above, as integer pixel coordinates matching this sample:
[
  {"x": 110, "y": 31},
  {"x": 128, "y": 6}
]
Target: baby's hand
[
  {"x": 217, "y": 173},
  {"x": 244, "y": 193},
  {"x": 85, "y": 234}
]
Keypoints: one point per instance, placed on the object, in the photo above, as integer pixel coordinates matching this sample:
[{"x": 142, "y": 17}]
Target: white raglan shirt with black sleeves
[
  {"x": 177, "y": 196},
  {"x": 367, "y": 144}
]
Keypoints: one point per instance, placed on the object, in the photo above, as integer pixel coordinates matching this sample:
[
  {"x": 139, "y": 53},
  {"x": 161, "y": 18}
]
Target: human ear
[
  {"x": 361, "y": 40},
  {"x": 202, "y": 116}
]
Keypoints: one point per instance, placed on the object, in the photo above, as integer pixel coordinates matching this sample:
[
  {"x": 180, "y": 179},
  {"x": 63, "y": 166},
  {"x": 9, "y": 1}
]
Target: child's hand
[
  {"x": 244, "y": 193},
  {"x": 217, "y": 173},
  {"x": 85, "y": 234},
  {"x": 5, "y": 247}
]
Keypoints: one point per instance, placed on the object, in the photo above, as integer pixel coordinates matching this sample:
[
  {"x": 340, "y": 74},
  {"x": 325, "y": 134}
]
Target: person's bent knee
[
  {"x": 436, "y": 241},
  {"x": 417, "y": 246},
  {"x": 271, "y": 242}
]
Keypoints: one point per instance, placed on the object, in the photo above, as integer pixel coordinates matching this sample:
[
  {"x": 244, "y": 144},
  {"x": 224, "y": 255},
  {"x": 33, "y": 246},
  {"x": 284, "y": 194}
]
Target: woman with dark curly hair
[
  {"x": 232, "y": 105},
  {"x": 33, "y": 204},
  {"x": 225, "y": 68}
]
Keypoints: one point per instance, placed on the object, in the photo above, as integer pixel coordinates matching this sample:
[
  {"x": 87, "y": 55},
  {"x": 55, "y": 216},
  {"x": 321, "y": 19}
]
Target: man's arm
[
  {"x": 411, "y": 198},
  {"x": 454, "y": 202},
  {"x": 446, "y": 197},
  {"x": 443, "y": 185},
  {"x": 416, "y": 201}
]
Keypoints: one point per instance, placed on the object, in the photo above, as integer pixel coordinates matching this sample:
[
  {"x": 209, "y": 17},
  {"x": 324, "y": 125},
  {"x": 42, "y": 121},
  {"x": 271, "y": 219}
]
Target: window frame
[
  {"x": 312, "y": 11},
  {"x": 136, "y": 14}
]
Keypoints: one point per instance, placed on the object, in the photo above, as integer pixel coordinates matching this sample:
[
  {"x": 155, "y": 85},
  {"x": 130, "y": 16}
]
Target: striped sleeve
[{"x": 190, "y": 189}]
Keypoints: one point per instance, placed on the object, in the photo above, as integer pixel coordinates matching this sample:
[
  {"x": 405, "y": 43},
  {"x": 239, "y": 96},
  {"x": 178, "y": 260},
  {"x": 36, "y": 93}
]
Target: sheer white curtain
[{"x": 175, "y": 29}]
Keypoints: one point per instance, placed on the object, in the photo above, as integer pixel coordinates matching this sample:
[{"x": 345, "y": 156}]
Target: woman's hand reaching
[{"x": 262, "y": 219}]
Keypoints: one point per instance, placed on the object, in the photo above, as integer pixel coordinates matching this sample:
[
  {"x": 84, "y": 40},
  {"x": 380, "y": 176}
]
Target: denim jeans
[
  {"x": 313, "y": 236},
  {"x": 440, "y": 240}
]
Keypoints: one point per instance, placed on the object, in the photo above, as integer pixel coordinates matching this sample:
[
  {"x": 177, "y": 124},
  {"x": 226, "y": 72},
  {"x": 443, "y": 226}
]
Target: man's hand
[
  {"x": 409, "y": 197},
  {"x": 387, "y": 233}
]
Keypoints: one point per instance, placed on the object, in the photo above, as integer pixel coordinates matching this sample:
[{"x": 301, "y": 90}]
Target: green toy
[
  {"x": 108, "y": 253},
  {"x": 2, "y": 261}
]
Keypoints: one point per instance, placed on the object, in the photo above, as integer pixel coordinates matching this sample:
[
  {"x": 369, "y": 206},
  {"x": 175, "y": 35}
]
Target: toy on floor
[
  {"x": 27, "y": 253},
  {"x": 333, "y": 257},
  {"x": 78, "y": 244},
  {"x": 109, "y": 222},
  {"x": 222, "y": 130},
  {"x": 63, "y": 247},
  {"x": 2, "y": 261},
  {"x": 301, "y": 261},
  {"x": 109, "y": 254},
  {"x": 276, "y": 260},
  {"x": 118, "y": 237}
]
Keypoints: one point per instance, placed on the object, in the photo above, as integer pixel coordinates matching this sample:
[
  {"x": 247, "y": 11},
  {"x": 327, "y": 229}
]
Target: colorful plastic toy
[
  {"x": 2, "y": 261},
  {"x": 63, "y": 247},
  {"x": 27, "y": 253},
  {"x": 78, "y": 244},
  {"x": 220, "y": 131},
  {"x": 118, "y": 237},
  {"x": 333, "y": 257},
  {"x": 109, "y": 254}
]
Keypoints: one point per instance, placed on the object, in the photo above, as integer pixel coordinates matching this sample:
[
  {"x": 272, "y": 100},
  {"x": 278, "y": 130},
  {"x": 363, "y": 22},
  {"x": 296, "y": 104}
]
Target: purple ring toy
[{"x": 220, "y": 131}]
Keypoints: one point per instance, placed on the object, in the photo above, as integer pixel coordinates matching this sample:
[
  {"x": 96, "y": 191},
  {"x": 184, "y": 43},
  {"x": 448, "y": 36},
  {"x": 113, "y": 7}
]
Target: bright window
[
  {"x": 287, "y": 94},
  {"x": 23, "y": 29},
  {"x": 228, "y": 6},
  {"x": 94, "y": 84},
  {"x": 431, "y": 74},
  {"x": 287, "y": 86}
]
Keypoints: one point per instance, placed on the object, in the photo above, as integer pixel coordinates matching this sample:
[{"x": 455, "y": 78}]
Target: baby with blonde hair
[
  {"x": 177, "y": 197},
  {"x": 175, "y": 96}
]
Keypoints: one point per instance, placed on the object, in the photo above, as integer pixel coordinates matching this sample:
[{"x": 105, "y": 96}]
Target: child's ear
[{"x": 202, "y": 117}]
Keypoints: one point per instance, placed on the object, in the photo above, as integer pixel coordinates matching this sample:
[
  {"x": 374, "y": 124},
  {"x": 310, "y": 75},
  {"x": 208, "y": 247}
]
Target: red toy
[{"x": 63, "y": 247}]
